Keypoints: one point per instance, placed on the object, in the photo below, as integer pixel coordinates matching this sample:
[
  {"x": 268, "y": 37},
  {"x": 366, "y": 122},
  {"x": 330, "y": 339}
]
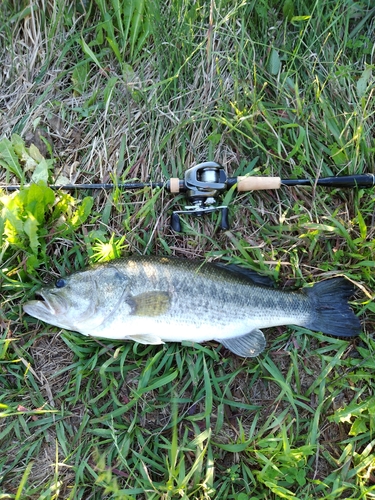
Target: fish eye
[{"x": 60, "y": 283}]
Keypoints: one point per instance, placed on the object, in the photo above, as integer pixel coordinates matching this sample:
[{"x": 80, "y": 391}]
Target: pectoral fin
[
  {"x": 145, "y": 338},
  {"x": 247, "y": 346},
  {"x": 150, "y": 303}
]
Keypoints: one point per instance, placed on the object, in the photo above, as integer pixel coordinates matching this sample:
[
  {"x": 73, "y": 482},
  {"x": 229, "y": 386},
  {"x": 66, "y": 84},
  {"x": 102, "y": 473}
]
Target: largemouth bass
[{"x": 153, "y": 300}]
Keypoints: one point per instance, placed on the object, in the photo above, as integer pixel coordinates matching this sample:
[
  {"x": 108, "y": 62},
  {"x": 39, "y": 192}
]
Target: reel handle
[
  {"x": 224, "y": 223},
  {"x": 175, "y": 222}
]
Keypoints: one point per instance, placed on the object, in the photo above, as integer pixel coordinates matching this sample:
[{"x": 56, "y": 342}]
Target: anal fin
[
  {"x": 246, "y": 346},
  {"x": 145, "y": 338}
]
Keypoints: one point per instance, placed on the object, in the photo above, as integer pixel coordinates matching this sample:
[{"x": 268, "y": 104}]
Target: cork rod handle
[{"x": 257, "y": 183}]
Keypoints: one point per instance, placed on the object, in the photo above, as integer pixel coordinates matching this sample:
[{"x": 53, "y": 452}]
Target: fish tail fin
[{"x": 331, "y": 312}]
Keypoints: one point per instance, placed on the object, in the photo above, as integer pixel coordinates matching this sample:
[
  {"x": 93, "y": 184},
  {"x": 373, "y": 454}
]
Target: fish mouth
[{"x": 47, "y": 307}]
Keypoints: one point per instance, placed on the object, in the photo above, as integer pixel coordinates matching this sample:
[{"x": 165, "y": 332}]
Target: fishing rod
[{"x": 204, "y": 182}]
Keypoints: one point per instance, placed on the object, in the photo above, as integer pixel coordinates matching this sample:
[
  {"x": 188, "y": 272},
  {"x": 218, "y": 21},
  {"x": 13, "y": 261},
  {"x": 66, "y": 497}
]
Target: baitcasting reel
[{"x": 202, "y": 184}]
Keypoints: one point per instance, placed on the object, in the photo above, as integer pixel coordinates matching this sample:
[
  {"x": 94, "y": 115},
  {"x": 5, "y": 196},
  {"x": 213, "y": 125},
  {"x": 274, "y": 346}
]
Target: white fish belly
[
  {"x": 167, "y": 331},
  {"x": 177, "y": 330}
]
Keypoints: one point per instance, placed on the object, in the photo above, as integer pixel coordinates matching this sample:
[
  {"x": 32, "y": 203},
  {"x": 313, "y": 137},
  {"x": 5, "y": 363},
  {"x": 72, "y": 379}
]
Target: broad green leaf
[
  {"x": 354, "y": 409},
  {"x": 31, "y": 229},
  {"x": 9, "y": 159},
  {"x": 22, "y": 152},
  {"x": 41, "y": 171},
  {"x": 243, "y": 496},
  {"x": 32, "y": 263},
  {"x": 79, "y": 77},
  {"x": 10, "y": 214},
  {"x": 358, "y": 427},
  {"x": 35, "y": 153},
  {"x": 274, "y": 63},
  {"x": 36, "y": 198},
  {"x": 363, "y": 81},
  {"x": 82, "y": 212},
  {"x": 18, "y": 145},
  {"x": 338, "y": 154},
  {"x": 65, "y": 201}
]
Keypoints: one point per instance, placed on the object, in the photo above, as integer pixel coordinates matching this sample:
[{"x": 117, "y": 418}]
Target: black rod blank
[{"x": 346, "y": 181}]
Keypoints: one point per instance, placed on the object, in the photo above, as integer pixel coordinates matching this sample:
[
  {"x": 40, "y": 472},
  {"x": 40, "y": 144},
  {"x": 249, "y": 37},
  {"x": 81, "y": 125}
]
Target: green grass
[{"x": 98, "y": 91}]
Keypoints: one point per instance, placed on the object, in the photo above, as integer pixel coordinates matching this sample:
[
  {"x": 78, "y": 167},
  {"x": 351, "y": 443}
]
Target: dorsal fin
[{"x": 249, "y": 274}]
